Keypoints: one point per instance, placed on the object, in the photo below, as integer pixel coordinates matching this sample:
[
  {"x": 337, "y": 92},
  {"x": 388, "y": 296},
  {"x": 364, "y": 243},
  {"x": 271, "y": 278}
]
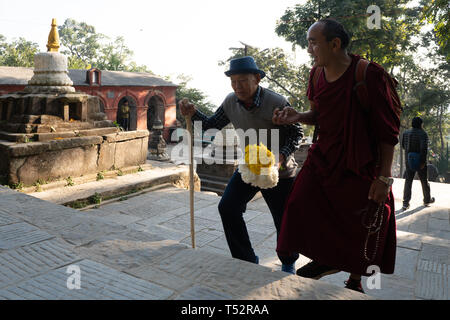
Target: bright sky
[{"x": 171, "y": 37}]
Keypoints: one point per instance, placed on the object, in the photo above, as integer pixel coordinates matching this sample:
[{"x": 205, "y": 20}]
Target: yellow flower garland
[
  {"x": 259, "y": 168},
  {"x": 257, "y": 157}
]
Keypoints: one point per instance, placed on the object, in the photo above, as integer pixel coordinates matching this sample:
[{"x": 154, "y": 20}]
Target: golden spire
[{"x": 53, "y": 38}]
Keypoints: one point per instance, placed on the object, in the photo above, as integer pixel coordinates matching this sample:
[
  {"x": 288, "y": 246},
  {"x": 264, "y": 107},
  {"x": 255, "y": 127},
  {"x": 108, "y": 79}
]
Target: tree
[
  {"x": 86, "y": 48},
  {"x": 437, "y": 12},
  {"x": 114, "y": 56},
  {"x": 386, "y": 45},
  {"x": 197, "y": 97},
  {"x": 429, "y": 98},
  {"x": 422, "y": 91},
  {"x": 19, "y": 53},
  {"x": 282, "y": 75},
  {"x": 80, "y": 43}
]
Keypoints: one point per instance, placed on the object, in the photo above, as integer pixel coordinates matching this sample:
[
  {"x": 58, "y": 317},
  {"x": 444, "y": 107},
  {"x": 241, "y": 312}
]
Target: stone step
[
  {"x": 213, "y": 178},
  {"x": 86, "y": 187},
  {"x": 16, "y": 137},
  {"x": 213, "y": 184}
]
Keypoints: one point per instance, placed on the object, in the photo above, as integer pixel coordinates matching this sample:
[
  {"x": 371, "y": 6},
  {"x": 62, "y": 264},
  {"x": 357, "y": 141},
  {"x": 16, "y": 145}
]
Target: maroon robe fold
[{"x": 324, "y": 212}]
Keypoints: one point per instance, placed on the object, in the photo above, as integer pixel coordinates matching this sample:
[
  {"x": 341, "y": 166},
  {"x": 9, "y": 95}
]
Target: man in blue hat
[{"x": 250, "y": 107}]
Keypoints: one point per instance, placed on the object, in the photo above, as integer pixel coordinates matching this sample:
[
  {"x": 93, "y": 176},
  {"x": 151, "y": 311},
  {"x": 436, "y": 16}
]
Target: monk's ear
[{"x": 336, "y": 44}]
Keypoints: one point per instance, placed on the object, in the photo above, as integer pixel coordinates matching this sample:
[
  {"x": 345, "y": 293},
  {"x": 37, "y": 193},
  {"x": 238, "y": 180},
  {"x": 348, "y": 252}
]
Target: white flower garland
[{"x": 266, "y": 180}]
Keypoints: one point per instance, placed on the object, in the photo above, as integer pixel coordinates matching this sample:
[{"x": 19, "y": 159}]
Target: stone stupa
[
  {"x": 49, "y": 131},
  {"x": 50, "y": 68},
  {"x": 49, "y": 102},
  {"x": 216, "y": 169}
]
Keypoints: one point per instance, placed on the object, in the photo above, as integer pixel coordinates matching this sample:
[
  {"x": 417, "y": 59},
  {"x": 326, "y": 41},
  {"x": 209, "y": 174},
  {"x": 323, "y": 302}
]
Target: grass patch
[
  {"x": 17, "y": 186},
  {"x": 79, "y": 204},
  {"x": 100, "y": 175},
  {"x": 96, "y": 198},
  {"x": 70, "y": 182},
  {"x": 38, "y": 186}
]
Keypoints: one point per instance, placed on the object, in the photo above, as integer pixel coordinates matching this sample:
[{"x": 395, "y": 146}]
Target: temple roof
[{"x": 21, "y": 76}]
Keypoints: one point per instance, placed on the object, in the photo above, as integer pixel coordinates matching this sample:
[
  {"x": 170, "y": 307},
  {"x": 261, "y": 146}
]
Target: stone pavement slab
[
  {"x": 20, "y": 234},
  {"x": 97, "y": 282},
  {"x": 147, "y": 238},
  {"x": 433, "y": 273},
  {"x": 31, "y": 260},
  {"x": 118, "y": 261}
]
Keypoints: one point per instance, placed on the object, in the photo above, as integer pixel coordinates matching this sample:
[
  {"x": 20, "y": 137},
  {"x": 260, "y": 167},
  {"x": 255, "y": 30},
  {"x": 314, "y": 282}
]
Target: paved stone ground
[
  {"x": 133, "y": 249},
  {"x": 139, "y": 248},
  {"x": 422, "y": 268}
]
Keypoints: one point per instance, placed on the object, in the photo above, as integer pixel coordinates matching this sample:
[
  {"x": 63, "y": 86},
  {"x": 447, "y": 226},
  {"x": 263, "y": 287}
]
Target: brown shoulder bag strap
[
  {"x": 315, "y": 82},
  {"x": 360, "y": 83}
]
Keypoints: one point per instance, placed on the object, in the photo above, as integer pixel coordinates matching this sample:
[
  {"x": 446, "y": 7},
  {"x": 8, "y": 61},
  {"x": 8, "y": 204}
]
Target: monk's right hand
[
  {"x": 187, "y": 108},
  {"x": 287, "y": 115}
]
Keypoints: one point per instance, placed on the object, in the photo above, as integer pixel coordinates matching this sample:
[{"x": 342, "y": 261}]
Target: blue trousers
[
  {"x": 409, "y": 177},
  {"x": 233, "y": 205}
]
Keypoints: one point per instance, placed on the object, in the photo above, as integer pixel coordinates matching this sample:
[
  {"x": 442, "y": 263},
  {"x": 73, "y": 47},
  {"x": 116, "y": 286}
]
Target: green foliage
[
  {"x": 96, "y": 198},
  {"x": 194, "y": 95},
  {"x": 423, "y": 91},
  {"x": 114, "y": 56},
  {"x": 17, "y": 186},
  {"x": 79, "y": 40},
  {"x": 70, "y": 182},
  {"x": 437, "y": 12},
  {"x": 86, "y": 49},
  {"x": 74, "y": 62},
  {"x": 19, "y": 53},
  {"x": 100, "y": 176},
  {"x": 38, "y": 186},
  {"x": 282, "y": 75},
  {"x": 78, "y": 204},
  {"x": 83, "y": 46},
  {"x": 386, "y": 46}
]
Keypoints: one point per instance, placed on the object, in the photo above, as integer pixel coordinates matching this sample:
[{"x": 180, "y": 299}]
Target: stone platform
[{"x": 57, "y": 156}]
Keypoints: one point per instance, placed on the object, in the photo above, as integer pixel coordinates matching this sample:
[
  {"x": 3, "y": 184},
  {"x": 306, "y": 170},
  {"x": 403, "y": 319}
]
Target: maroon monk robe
[{"x": 324, "y": 212}]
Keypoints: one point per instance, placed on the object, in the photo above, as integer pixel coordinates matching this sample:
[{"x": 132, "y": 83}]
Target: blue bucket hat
[{"x": 244, "y": 65}]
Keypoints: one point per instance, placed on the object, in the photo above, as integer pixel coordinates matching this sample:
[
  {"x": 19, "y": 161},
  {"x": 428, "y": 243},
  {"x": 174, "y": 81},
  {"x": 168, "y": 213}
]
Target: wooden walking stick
[{"x": 191, "y": 176}]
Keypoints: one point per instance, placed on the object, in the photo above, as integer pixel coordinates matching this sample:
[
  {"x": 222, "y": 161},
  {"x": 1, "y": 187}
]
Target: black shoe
[
  {"x": 425, "y": 203},
  {"x": 313, "y": 270},
  {"x": 405, "y": 207},
  {"x": 353, "y": 284}
]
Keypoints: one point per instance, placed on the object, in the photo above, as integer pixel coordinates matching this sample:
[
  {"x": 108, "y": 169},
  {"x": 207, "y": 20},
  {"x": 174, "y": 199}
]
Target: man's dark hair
[
  {"x": 417, "y": 122},
  {"x": 334, "y": 29}
]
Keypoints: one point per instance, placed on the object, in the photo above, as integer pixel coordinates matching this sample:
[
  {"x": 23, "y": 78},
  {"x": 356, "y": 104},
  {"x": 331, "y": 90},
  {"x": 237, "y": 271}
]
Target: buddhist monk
[{"x": 340, "y": 212}]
